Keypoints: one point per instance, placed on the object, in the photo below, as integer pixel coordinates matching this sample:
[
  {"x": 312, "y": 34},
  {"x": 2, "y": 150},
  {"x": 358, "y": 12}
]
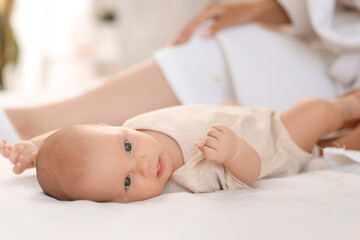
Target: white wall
[
  {"x": 63, "y": 43},
  {"x": 149, "y": 25}
]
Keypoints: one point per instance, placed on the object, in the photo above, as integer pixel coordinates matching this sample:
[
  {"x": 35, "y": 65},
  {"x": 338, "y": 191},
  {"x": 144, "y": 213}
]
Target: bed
[{"x": 322, "y": 202}]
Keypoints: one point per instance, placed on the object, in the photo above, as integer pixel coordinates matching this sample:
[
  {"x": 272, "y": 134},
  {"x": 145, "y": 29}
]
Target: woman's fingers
[
  {"x": 210, "y": 12},
  {"x": 231, "y": 14},
  {"x": 217, "y": 26}
]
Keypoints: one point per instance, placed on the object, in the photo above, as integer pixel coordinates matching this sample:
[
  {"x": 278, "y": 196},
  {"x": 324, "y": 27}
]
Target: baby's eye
[
  {"x": 127, "y": 146},
  {"x": 127, "y": 181}
]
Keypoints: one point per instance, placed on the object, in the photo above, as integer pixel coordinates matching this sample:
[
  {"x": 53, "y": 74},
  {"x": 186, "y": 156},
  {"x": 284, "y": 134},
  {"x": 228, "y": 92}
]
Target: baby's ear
[{"x": 103, "y": 124}]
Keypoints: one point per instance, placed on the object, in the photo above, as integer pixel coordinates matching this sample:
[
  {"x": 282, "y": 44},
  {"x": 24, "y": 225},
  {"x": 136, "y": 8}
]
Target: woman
[{"x": 151, "y": 87}]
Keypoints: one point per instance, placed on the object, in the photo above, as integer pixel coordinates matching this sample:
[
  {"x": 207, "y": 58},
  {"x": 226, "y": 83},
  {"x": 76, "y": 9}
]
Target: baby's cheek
[
  {"x": 151, "y": 193},
  {"x": 152, "y": 190},
  {"x": 159, "y": 190}
]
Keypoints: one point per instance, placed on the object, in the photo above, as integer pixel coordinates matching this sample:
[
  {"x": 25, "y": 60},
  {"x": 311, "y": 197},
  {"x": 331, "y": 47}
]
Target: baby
[{"x": 184, "y": 148}]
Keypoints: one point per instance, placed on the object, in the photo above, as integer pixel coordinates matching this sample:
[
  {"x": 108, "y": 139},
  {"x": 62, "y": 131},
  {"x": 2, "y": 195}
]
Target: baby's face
[{"x": 124, "y": 165}]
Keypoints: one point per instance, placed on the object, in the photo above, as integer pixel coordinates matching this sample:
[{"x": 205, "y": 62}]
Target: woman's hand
[
  {"x": 22, "y": 154},
  {"x": 230, "y": 14},
  {"x": 221, "y": 144}
]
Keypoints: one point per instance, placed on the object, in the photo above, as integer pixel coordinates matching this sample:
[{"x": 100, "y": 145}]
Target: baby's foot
[{"x": 350, "y": 106}]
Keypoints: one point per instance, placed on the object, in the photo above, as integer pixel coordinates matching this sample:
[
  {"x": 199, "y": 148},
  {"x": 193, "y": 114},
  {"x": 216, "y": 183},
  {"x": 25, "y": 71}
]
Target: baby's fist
[{"x": 220, "y": 144}]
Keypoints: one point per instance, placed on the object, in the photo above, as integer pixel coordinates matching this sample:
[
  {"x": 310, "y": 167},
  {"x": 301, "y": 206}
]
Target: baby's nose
[{"x": 143, "y": 165}]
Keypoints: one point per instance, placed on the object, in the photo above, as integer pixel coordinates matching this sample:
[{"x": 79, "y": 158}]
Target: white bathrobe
[
  {"x": 259, "y": 67},
  {"x": 337, "y": 25}
]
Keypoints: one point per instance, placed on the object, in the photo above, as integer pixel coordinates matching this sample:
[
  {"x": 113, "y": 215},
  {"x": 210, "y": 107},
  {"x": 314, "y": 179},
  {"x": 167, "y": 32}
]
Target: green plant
[{"x": 9, "y": 50}]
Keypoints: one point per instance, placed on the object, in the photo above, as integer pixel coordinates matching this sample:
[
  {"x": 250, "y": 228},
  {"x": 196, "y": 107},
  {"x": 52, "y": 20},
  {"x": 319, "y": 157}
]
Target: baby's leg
[
  {"x": 310, "y": 119},
  {"x": 348, "y": 141}
]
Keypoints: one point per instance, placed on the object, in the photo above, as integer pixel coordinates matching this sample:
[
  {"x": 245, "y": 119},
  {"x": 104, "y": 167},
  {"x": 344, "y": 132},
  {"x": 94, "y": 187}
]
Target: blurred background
[{"x": 61, "y": 44}]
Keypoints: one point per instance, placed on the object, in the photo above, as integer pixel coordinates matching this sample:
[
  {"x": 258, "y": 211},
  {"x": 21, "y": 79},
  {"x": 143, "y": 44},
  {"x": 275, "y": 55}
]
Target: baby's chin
[{"x": 148, "y": 197}]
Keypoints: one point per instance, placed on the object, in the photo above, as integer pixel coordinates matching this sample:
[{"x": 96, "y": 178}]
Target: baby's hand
[
  {"x": 22, "y": 154},
  {"x": 220, "y": 144}
]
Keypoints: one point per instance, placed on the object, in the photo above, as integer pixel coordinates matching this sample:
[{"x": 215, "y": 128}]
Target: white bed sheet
[
  {"x": 322, "y": 204},
  {"x": 317, "y": 204}
]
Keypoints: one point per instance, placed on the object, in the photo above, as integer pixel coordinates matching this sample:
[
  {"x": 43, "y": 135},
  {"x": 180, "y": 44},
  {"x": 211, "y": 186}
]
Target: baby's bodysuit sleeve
[{"x": 200, "y": 175}]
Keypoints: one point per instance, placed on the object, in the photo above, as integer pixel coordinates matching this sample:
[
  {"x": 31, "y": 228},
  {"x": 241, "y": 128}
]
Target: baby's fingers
[
  {"x": 4, "y": 151},
  {"x": 221, "y": 128},
  {"x": 212, "y": 142},
  {"x": 15, "y": 154},
  {"x": 18, "y": 168},
  {"x": 32, "y": 160},
  {"x": 5, "y": 148},
  {"x": 210, "y": 154},
  {"x": 200, "y": 145},
  {"x": 214, "y": 133}
]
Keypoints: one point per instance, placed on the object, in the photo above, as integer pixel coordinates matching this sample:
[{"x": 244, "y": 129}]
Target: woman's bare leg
[
  {"x": 139, "y": 89},
  {"x": 310, "y": 119}
]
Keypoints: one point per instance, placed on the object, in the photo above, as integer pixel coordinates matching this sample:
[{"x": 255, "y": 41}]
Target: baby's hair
[{"x": 60, "y": 164}]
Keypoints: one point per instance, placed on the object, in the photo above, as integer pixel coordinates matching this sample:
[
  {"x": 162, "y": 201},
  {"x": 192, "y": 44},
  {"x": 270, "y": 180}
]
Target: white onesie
[{"x": 260, "y": 127}]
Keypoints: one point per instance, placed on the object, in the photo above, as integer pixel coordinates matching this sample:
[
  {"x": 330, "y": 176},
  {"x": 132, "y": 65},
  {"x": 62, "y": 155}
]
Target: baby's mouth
[{"x": 160, "y": 167}]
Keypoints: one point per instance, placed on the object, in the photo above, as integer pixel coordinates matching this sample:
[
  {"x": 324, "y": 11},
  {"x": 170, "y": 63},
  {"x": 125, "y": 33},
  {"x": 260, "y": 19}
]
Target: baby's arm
[
  {"x": 22, "y": 154},
  {"x": 223, "y": 146}
]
